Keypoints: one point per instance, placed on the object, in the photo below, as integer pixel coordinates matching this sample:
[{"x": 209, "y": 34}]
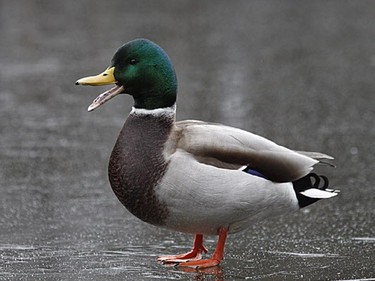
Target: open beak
[{"x": 105, "y": 78}]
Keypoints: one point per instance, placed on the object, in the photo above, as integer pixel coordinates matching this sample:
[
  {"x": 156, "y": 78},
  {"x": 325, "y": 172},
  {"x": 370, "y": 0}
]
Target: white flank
[
  {"x": 318, "y": 193},
  {"x": 167, "y": 111}
]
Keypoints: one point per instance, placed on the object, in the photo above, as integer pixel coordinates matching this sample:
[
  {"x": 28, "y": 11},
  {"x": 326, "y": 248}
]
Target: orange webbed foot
[
  {"x": 193, "y": 259},
  {"x": 194, "y": 255},
  {"x": 200, "y": 264},
  {"x": 190, "y": 256}
]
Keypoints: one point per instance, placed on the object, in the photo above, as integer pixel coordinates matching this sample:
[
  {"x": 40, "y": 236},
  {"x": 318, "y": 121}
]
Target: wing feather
[{"x": 231, "y": 148}]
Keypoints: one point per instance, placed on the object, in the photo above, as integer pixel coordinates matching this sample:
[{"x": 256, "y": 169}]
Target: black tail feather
[{"x": 312, "y": 181}]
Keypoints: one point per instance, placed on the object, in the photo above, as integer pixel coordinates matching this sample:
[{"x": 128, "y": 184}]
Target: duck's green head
[{"x": 139, "y": 68}]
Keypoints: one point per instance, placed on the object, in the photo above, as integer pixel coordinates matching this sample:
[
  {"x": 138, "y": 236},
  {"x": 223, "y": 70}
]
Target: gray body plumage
[{"x": 187, "y": 175}]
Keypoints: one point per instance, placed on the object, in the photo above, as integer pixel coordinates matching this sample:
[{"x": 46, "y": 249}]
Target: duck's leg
[
  {"x": 217, "y": 257},
  {"x": 193, "y": 255}
]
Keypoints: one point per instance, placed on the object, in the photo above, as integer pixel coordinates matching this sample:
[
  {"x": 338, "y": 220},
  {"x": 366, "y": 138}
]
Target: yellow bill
[{"x": 105, "y": 78}]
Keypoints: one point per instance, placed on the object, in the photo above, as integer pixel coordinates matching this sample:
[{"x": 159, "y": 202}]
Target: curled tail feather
[{"x": 312, "y": 188}]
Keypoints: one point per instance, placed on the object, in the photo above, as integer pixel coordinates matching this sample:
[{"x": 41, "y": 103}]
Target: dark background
[{"x": 301, "y": 73}]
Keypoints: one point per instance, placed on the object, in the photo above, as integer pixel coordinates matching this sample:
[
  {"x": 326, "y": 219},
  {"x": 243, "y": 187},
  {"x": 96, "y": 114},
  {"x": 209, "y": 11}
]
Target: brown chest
[{"x": 137, "y": 165}]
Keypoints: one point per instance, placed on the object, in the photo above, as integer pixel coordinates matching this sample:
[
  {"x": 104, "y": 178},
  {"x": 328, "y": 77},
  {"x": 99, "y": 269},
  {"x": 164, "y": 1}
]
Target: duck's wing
[{"x": 231, "y": 148}]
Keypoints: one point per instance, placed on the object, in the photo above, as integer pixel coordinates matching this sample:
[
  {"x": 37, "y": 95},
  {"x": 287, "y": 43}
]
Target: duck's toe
[
  {"x": 190, "y": 256},
  {"x": 194, "y": 255},
  {"x": 200, "y": 264}
]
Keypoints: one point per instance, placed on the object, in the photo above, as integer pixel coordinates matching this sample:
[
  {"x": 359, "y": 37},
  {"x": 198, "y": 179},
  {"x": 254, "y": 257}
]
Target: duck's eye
[{"x": 133, "y": 61}]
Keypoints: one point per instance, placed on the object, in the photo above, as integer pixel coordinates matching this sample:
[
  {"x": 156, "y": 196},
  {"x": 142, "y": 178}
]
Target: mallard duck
[{"x": 192, "y": 176}]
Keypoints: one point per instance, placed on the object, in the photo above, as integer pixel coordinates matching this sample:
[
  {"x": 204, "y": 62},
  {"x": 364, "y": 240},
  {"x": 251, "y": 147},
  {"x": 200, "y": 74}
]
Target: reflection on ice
[{"x": 305, "y": 255}]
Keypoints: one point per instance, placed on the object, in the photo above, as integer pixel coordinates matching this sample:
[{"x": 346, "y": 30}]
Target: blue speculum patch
[{"x": 254, "y": 173}]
